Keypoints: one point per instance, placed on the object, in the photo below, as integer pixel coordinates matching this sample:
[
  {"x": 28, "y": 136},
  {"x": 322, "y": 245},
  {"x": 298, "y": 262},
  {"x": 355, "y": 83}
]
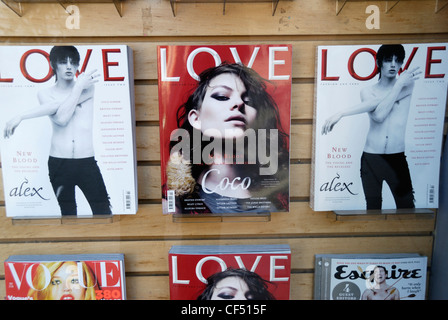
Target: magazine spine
[{"x": 313, "y": 143}]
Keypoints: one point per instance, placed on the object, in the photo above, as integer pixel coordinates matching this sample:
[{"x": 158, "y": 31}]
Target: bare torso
[
  {"x": 388, "y": 136},
  {"x": 383, "y": 293},
  {"x": 73, "y": 140}
]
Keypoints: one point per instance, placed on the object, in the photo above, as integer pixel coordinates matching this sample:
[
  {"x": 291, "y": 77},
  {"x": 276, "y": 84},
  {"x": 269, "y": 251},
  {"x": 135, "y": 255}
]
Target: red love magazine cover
[
  {"x": 230, "y": 272},
  {"x": 224, "y": 128}
]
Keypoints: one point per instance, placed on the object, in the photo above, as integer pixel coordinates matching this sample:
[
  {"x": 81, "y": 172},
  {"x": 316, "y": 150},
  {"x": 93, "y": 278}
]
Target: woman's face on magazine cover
[
  {"x": 65, "y": 283},
  {"x": 231, "y": 288},
  {"x": 226, "y": 108}
]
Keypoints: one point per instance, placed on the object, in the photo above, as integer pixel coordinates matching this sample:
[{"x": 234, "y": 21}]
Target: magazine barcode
[
  {"x": 128, "y": 200},
  {"x": 171, "y": 200},
  {"x": 431, "y": 191}
]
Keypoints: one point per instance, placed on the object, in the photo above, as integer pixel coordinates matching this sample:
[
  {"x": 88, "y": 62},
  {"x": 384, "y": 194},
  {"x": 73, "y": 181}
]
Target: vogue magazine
[{"x": 65, "y": 277}]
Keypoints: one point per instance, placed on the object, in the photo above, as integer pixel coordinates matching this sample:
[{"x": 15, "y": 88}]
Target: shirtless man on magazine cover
[
  {"x": 380, "y": 290},
  {"x": 69, "y": 105},
  {"x": 387, "y": 103}
]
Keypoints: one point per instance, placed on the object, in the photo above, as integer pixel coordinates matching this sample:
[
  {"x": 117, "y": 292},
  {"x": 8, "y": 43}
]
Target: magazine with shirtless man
[
  {"x": 377, "y": 276},
  {"x": 67, "y": 130},
  {"x": 378, "y": 126}
]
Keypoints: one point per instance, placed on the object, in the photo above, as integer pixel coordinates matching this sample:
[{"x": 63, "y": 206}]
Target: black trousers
[
  {"x": 392, "y": 168},
  {"x": 66, "y": 174}
]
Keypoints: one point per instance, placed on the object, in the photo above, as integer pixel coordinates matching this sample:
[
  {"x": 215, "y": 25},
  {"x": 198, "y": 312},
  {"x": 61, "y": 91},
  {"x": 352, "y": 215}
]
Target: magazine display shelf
[
  {"x": 173, "y": 3},
  {"x": 384, "y": 214},
  {"x": 97, "y": 219},
  {"x": 16, "y": 5},
  {"x": 247, "y": 217},
  {"x": 439, "y": 4}
]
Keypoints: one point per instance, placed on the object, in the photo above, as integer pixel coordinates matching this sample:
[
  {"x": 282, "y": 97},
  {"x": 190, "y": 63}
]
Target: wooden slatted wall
[{"x": 146, "y": 237}]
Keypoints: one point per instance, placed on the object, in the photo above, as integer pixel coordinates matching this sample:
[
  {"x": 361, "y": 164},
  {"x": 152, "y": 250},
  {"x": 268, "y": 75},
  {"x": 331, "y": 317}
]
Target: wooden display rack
[
  {"x": 384, "y": 214},
  {"x": 16, "y": 5},
  {"x": 66, "y": 220},
  {"x": 439, "y": 4},
  {"x": 229, "y": 217},
  {"x": 145, "y": 238},
  {"x": 174, "y": 2}
]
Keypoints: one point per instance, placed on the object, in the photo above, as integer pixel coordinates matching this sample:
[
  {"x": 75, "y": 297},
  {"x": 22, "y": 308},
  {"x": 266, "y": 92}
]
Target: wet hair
[
  {"x": 268, "y": 116},
  {"x": 258, "y": 287},
  {"x": 372, "y": 272},
  {"x": 256, "y": 92},
  {"x": 380, "y": 267},
  {"x": 60, "y": 53},
  {"x": 387, "y": 51}
]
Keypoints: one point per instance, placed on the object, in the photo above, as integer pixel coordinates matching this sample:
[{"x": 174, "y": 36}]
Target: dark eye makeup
[{"x": 220, "y": 97}]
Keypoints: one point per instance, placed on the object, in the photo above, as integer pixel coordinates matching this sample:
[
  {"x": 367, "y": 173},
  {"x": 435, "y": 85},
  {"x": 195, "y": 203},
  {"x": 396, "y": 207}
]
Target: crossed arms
[
  {"x": 60, "y": 112},
  {"x": 378, "y": 107}
]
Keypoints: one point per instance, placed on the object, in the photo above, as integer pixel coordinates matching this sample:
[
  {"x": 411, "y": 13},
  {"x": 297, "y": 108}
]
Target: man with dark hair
[
  {"x": 387, "y": 103},
  {"x": 69, "y": 105},
  {"x": 59, "y": 54},
  {"x": 378, "y": 289},
  {"x": 388, "y": 51}
]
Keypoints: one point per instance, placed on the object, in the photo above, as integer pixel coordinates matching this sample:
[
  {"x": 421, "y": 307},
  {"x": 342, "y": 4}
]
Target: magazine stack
[
  {"x": 65, "y": 277},
  {"x": 370, "y": 277},
  {"x": 67, "y": 130},
  {"x": 238, "y": 272},
  {"x": 378, "y": 126},
  {"x": 225, "y": 114}
]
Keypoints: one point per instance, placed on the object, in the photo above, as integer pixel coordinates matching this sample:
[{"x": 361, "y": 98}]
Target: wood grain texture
[{"x": 155, "y": 18}]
